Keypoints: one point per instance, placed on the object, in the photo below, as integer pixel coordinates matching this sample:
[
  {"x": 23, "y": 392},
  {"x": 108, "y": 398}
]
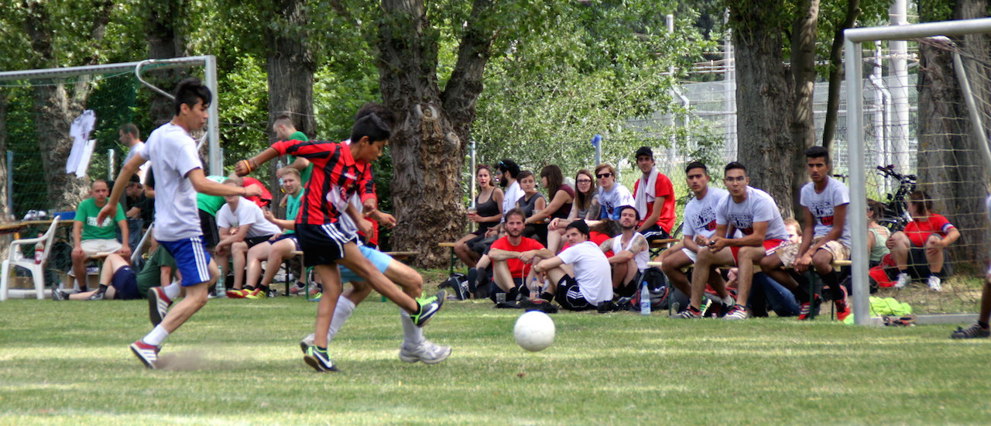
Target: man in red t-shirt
[
  {"x": 918, "y": 250},
  {"x": 513, "y": 255},
  {"x": 654, "y": 197}
]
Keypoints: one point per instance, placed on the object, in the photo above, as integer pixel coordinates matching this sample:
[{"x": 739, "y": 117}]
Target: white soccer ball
[{"x": 534, "y": 331}]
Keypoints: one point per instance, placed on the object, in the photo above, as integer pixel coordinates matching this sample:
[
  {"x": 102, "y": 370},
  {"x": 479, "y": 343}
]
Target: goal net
[{"x": 918, "y": 119}]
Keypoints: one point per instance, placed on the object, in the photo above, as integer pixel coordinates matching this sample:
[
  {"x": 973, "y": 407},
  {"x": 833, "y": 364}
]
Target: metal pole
[
  {"x": 597, "y": 143},
  {"x": 472, "y": 172},
  {"x": 10, "y": 183},
  {"x": 899, "y": 90},
  {"x": 213, "y": 124},
  {"x": 975, "y": 117},
  {"x": 858, "y": 190}
]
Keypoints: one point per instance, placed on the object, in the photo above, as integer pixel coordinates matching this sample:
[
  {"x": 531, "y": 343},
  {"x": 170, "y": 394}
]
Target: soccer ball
[{"x": 534, "y": 331}]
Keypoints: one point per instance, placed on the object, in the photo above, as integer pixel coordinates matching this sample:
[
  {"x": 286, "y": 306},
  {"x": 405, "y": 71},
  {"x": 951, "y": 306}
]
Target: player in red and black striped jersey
[{"x": 327, "y": 224}]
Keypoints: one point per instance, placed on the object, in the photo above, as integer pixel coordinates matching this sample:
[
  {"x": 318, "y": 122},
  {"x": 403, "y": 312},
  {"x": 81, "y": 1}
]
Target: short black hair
[
  {"x": 130, "y": 129},
  {"x": 735, "y": 165},
  {"x": 696, "y": 165},
  {"x": 579, "y": 225},
  {"x": 373, "y": 126},
  {"x": 507, "y": 165},
  {"x": 189, "y": 91},
  {"x": 817, "y": 152},
  {"x": 627, "y": 206},
  {"x": 645, "y": 151},
  {"x": 387, "y": 116}
]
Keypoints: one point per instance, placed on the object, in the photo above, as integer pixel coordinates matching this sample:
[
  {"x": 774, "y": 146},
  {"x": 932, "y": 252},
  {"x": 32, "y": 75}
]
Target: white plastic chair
[{"x": 16, "y": 258}]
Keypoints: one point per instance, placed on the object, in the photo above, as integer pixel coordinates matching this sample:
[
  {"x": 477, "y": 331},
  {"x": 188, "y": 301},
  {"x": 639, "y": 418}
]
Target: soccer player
[
  {"x": 826, "y": 237},
  {"x": 179, "y": 176},
  {"x": 327, "y": 223},
  {"x": 654, "y": 197},
  {"x": 754, "y": 214},
  {"x": 699, "y": 226}
]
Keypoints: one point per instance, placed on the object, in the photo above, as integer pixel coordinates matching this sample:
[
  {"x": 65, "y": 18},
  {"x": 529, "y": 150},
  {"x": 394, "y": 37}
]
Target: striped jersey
[{"x": 336, "y": 177}]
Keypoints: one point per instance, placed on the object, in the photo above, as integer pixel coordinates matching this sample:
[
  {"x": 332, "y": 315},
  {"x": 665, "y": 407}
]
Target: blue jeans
[{"x": 767, "y": 294}]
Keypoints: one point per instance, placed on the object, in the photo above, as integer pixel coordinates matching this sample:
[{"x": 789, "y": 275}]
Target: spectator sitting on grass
[
  {"x": 512, "y": 256},
  {"x": 119, "y": 282},
  {"x": 918, "y": 250},
  {"x": 579, "y": 277},
  {"x": 631, "y": 253},
  {"x": 91, "y": 237}
]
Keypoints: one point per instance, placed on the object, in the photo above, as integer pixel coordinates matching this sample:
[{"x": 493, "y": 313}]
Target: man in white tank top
[{"x": 630, "y": 254}]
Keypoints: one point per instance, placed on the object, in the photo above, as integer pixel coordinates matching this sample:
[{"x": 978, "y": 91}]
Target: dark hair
[
  {"x": 510, "y": 166},
  {"x": 525, "y": 174},
  {"x": 486, "y": 167},
  {"x": 515, "y": 211},
  {"x": 696, "y": 165},
  {"x": 625, "y": 207},
  {"x": 554, "y": 178},
  {"x": 923, "y": 198},
  {"x": 380, "y": 110},
  {"x": 875, "y": 207},
  {"x": 130, "y": 129},
  {"x": 372, "y": 126},
  {"x": 644, "y": 151},
  {"x": 579, "y": 225},
  {"x": 189, "y": 91},
  {"x": 817, "y": 152},
  {"x": 735, "y": 165},
  {"x": 583, "y": 200}
]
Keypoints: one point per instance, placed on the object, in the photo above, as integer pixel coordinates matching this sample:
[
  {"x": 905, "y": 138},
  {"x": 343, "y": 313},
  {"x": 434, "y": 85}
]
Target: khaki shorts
[
  {"x": 788, "y": 252},
  {"x": 94, "y": 247}
]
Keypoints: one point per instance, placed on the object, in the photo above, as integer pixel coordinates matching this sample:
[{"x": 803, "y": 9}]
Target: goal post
[{"x": 856, "y": 147}]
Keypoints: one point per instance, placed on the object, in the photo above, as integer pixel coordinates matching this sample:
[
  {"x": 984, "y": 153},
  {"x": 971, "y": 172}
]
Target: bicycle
[{"x": 896, "y": 215}]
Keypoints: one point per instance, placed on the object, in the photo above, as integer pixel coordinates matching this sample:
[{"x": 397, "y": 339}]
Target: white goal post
[
  {"x": 856, "y": 132},
  {"x": 209, "y": 62}
]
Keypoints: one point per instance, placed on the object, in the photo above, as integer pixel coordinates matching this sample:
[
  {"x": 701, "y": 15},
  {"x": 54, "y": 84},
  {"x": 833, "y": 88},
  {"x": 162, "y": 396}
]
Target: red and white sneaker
[
  {"x": 808, "y": 309},
  {"x": 158, "y": 304},
  {"x": 148, "y": 354}
]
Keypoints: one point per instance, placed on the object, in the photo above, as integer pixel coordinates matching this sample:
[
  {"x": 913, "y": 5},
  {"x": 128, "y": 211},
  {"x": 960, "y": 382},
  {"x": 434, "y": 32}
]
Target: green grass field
[{"x": 238, "y": 361}]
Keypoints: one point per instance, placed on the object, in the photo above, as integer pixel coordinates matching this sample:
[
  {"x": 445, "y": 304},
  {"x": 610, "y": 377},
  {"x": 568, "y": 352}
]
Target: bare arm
[
  {"x": 560, "y": 199},
  {"x": 654, "y": 214},
  {"x": 123, "y": 178},
  {"x": 547, "y": 264}
]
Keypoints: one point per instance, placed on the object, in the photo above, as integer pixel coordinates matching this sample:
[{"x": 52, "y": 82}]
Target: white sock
[
  {"x": 157, "y": 336},
  {"x": 172, "y": 290},
  {"x": 412, "y": 335},
  {"x": 341, "y": 314}
]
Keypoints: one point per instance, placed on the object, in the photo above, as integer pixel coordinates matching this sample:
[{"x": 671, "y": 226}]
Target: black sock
[
  {"x": 102, "y": 289},
  {"x": 547, "y": 296},
  {"x": 512, "y": 294},
  {"x": 802, "y": 292},
  {"x": 832, "y": 280},
  {"x": 249, "y": 288},
  {"x": 472, "y": 279},
  {"x": 983, "y": 324},
  {"x": 83, "y": 289}
]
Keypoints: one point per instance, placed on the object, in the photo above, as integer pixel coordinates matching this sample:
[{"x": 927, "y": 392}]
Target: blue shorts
[
  {"x": 380, "y": 260},
  {"x": 191, "y": 259},
  {"x": 125, "y": 283}
]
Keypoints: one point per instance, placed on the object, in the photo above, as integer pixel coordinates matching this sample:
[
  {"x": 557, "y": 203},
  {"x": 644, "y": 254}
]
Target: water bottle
[
  {"x": 644, "y": 299},
  {"x": 39, "y": 251}
]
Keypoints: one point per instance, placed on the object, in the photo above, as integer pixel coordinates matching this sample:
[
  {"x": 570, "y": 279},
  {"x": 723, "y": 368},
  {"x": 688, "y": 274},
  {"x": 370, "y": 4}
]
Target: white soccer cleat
[
  {"x": 428, "y": 352},
  {"x": 902, "y": 280},
  {"x": 935, "y": 284}
]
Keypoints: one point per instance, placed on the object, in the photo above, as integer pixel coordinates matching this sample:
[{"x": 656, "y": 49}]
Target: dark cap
[
  {"x": 645, "y": 151},
  {"x": 579, "y": 225}
]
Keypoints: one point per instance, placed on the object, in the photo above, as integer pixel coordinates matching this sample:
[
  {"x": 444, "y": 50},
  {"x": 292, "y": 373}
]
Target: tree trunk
[
  {"x": 5, "y": 214},
  {"x": 836, "y": 73},
  {"x": 803, "y": 74},
  {"x": 433, "y": 127},
  {"x": 948, "y": 167},
  {"x": 164, "y": 42},
  {"x": 763, "y": 84},
  {"x": 290, "y": 69}
]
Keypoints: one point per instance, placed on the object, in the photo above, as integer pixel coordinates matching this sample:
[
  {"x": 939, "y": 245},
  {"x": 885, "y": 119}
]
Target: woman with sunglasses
[
  {"x": 585, "y": 206},
  {"x": 612, "y": 194}
]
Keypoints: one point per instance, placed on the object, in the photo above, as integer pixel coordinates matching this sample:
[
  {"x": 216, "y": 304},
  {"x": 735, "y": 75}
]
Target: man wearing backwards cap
[{"x": 579, "y": 277}]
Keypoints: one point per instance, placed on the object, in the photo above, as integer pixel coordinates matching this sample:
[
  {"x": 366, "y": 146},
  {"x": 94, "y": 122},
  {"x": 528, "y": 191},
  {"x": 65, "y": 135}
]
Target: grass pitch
[{"x": 238, "y": 361}]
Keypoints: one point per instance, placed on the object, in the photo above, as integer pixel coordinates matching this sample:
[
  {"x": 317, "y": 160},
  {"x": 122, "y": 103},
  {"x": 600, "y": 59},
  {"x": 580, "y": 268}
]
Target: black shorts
[
  {"x": 629, "y": 289},
  {"x": 125, "y": 283},
  {"x": 254, "y": 241},
  {"x": 290, "y": 236},
  {"x": 655, "y": 233},
  {"x": 323, "y": 244},
  {"x": 918, "y": 265},
  {"x": 208, "y": 226},
  {"x": 570, "y": 297}
]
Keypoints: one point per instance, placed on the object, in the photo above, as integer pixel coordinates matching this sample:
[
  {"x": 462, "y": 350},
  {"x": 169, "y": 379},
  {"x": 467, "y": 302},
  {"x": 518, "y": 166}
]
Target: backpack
[{"x": 458, "y": 283}]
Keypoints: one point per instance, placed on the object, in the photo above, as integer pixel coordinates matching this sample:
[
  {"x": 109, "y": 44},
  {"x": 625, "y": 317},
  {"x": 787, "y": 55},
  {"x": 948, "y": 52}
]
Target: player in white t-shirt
[
  {"x": 179, "y": 176},
  {"x": 612, "y": 194},
  {"x": 580, "y": 278},
  {"x": 826, "y": 238},
  {"x": 754, "y": 214},
  {"x": 698, "y": 227},
  {"x": 242, "y": 226}
]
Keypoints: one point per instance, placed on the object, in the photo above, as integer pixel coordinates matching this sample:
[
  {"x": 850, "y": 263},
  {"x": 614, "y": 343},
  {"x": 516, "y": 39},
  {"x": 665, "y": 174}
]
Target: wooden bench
[
  {"x": 658, "y": 246},
  {"x": 837, "y": 264}
]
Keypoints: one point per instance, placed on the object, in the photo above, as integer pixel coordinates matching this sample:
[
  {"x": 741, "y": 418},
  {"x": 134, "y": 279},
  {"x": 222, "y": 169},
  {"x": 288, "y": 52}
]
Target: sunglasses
[{"x": 603, "y": 175}]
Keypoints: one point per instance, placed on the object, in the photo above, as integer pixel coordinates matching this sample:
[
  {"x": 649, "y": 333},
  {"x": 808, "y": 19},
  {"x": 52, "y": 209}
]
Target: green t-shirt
[
  {"x": 304, "y": 175},
  {"x": 151, "y": 276},
  {"x": 211, "y": 203},
  {"x": 292, "y": 207},
  {"x": 87, "y": 212}
]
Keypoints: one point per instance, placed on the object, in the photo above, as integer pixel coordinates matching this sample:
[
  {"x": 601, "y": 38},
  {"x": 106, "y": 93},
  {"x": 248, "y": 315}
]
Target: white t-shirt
[
  {"x": 247, "y": 214},
  {"x": 821, "y": 206},
  {"x": 700, "y": 215},
  {"x": 591, "y": 271},
  {"x": 641, "y": 258},
  {"x": 172, "y": 153},
  {"x": 512, "y": 195},
  {"x": 757, "y": 207},
  {"x": 609, "y": 201}
]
